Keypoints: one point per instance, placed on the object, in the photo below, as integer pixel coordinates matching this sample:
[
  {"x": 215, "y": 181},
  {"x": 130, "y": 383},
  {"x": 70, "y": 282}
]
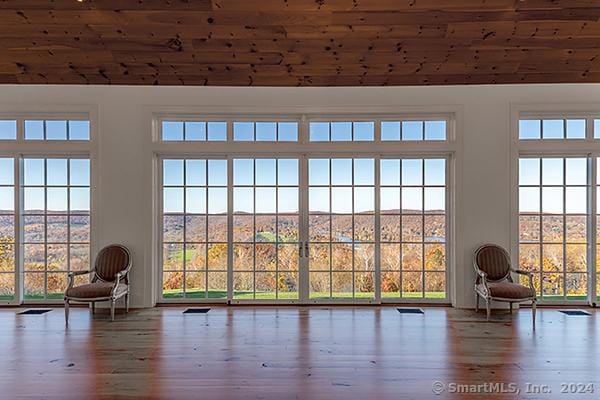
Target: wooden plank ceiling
[{"x": 299, "y": 42}]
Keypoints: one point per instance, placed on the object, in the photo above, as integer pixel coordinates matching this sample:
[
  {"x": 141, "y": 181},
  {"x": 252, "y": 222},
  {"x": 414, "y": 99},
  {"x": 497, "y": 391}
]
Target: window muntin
[
  {"x": 553, "y": 215},
  {"x": 266, "y": 227},
  {"x": 552, "y": 128},
  {"x": 8, "y": 129},
  {"x": 413, "y": 227},
  {"x": 265, "y": 131},
  {"x": 195, "y": 248},
  {"x": 7, "y": 230},
  {"x": 180, "y": 130},
  {"x": 342, "y": 131},
  {"x": 55, "y": 223},
  {"x": 49, "y": 129},
  {"x": 413, "y": 130}
]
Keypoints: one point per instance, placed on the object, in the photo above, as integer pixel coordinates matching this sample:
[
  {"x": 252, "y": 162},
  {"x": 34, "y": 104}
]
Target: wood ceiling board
[{"x": 299, "y": 42}]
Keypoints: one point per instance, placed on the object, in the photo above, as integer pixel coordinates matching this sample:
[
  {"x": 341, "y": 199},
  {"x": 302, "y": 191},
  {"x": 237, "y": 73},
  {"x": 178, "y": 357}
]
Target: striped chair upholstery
[
  {"x": 493, "y": 261},
  {"x": 110, "y": 261}
]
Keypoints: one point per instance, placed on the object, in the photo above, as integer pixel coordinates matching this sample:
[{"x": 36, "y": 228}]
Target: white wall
[{"x": 124, "y": 191}]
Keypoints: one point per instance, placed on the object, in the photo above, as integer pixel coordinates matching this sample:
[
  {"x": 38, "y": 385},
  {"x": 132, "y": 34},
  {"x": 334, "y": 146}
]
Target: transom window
[
  {"x": 413, "y": 130},
  {"x": 553, "y": 128},
  {"x": 194, "y": 131},
  {"x": 46, "y": 129},
  {"x": 342, "y": 131},
  {"x": 8, "y": 129},
  {"x": 267, "y": 131}
]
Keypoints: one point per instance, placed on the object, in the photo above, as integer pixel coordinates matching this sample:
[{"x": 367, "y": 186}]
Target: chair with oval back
[
  {"x": 494, "y": 280},
  {"x": 110, "y": 280}
]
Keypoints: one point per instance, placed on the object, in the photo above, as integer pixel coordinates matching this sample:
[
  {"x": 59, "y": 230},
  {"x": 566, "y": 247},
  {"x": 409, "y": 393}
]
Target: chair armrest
[
  {"x": 71, "y": 276},
  {"x": 521, "y": 272},
  {"x": 120, "y": 275}
]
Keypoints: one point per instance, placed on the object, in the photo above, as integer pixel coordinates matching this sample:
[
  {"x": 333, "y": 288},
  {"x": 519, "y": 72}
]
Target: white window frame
[
  {"x": 586, "y": 148},
  {"x": 21, "y": 148},
  {"x": 450, "y": 149}
]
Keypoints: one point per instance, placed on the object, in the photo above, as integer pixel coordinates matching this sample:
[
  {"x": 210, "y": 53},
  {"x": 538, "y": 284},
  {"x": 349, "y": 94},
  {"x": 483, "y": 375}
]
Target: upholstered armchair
[
  {"x": 110, "y": 280},
  {"x": 494, "y": 280}
]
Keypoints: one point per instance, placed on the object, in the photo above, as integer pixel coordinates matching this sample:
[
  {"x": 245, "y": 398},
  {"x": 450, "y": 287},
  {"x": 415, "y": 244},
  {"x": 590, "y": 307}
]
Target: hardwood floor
[{"x": 293, "y": 352}]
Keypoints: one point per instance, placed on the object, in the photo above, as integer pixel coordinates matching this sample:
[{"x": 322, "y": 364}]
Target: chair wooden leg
[
  {"x": 487, "y": 308},
  {"x": 510, "y": 307},
  {"x": 476, "y": 302},
  {"x": 533, "y": 303},
  {"x": 93, "y": 307},
  {"x": 127, "y": 303},
  {"x": 66, "y": 312},
  {"x": 112, "y": 310}
]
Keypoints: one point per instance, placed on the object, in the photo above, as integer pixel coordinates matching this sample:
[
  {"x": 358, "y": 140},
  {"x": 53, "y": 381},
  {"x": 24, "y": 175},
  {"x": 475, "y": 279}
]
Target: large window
[
  {"x": 56, "y": 224},
  {"x": 299, "y": 219},
  {"x": 553, "y": 219},
  {"x": 44, "y": 206},
  {"x": 195, "y": 248},
  {"x": 556, "y": 239}
]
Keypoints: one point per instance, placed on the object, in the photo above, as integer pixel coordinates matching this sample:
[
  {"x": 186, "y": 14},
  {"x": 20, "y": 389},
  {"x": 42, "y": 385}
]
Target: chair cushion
[
  {"x": 509, "y": 290},
  {"x": 93, "y": 290}
]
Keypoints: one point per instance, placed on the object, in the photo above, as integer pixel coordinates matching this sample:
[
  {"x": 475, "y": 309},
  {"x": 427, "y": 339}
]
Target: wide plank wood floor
[{"x": 293, "y": 353}]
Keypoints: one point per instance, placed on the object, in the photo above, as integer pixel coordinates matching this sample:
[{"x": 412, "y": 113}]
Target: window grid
[
  {"x": 213, "y": 283},
  {"x": 76, "y": 248},
  {"x": 265, "y": 131},
  {"x": 433, "y": 262},
  {"x": 193, "y": 130},
  {"x": 37, "y": 129},
  {"x": 341, "y": 131},
  {"x": 7, "y": 230},
  {"x": 552, "y": 128},
  {"x": 565, "y": 281},
  {"x": 330, "y": 242},
  {"x": 290, "y": 277}
]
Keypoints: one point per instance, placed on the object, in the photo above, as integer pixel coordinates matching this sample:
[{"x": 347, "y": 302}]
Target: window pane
[
  {"x": 287, "y": 171},
  {"x": 530, "y": 129},
  {"x": 243, "y": 200},
  {"x": 287, "y": 200},
  {"x": 6, "y": 171},
  {"x": 34, "y": 200},
  {"x": 34, "y": 171},
  {"x": 79, "y": 130},
  {"x": 552, "y": 171},
  {"x": 217, "y": 131},
  {"x": 265, "y": 200},
  {"x": 243, "y": 171},
  {"x": 57, "y": 200},
  {"x": 576, "y": 200},
  {"x": 576, "y": 171},
  {"x": 364, "y": 131},
  {"x": 195, "y": 130},
  {"x": 364, "y": 171},
  {"x": 217, "y": 200},
  {"x": 243, "y": 131},
  {"x": 390, "y": 130},
  {"x": 56, "y": 130},
  {"x": 390, "y": 172},
  {"x": 576, "y": 129},
  {"x": 318, "y": 171},
  {"x": 173, "y": 172},
  {"x": 195, "y": 200},
  {"x": 7, "y": 200},
  {"x": 57, "y": 172},
  {"x": 319, "y": 131},
  {"x": 435, "y": 172},
  {"x": 195, "y": 172},
  {"x": 552, "y": 200},
  {"x": 8, "y": 130},
  {"x": 412, "y": 130},
  {"x": 172, "y": 130},
  {"x": 217, "y": 172},
  {"x": 287, "y": 132},
  {"x": 341, "y": 131},
  {"x": 435, "y": 200},
  {"x": 529, "y": 200},
  {"x": 390, "y": 200},
  {"x": 318, "y": 199},
  {"x": 412, "y": 172},
  {"x": 173, "y": 200},
  {"x": 266, "y": 131},
  {"x": 553, "y": 129},
  {"x": 597, "y": 128},
  {"x": 265, "y": 171},
  {"x": 341, "y": 171},
  {"x": 364, "y": 199},
  {"x": 529, "y": 171},
  {"x": 79, "y": 172},
  {"x": 341, "y": 200},
  {"x": 412, "y": 200},
  {"x": 435, "y": 130}
]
